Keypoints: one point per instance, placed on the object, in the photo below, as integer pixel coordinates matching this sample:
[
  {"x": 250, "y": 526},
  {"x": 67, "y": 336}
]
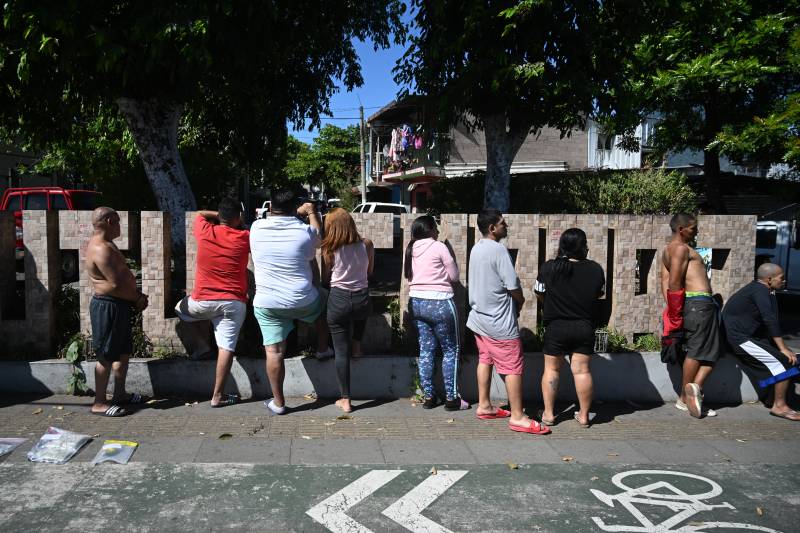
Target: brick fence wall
[{"x": 622, "y": 244}]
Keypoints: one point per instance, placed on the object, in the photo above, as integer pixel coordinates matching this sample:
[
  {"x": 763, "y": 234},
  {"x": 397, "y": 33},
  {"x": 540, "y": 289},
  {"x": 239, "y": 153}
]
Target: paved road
[
  {"x": 270, "y": 472},
  {"x": 565, "y": 497}
]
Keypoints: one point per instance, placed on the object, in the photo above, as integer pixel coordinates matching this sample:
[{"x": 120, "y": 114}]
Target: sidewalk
[{"x": 401, "y": 432}]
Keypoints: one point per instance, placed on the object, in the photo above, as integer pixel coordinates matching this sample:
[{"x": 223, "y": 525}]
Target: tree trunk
[
  {"x": 712, "y": 177},
  {"x": 154, "y": 126},
  {"x": 711, "y": 170},
  {"x": 502, "y": 146}
]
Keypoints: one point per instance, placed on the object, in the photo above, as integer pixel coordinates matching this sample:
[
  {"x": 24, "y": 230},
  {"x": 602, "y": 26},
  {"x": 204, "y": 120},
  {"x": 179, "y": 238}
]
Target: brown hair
[{"x": 340, "y": 230}]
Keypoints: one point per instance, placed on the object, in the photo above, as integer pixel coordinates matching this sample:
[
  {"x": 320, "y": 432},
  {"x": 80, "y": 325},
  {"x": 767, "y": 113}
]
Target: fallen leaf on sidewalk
[
  {"x": 37, "y": 411},
  {"x": 612, "y": 454},
  {"x": 567, "y": 458},
  {"x": 759, "y": 511},
  {"x": 311, "y": 396},
  {"x": 451, "y": 420},
  {"x": 594, "y": 478},
  {"x": 433, "y": 471},
  {"x": 225, "y": 436},
  {"x": 344, "y": 417},
  {"x": 741, "y": 440},
  {"x": 513, "y": 466},
  {"x": 306, "y": 437}
]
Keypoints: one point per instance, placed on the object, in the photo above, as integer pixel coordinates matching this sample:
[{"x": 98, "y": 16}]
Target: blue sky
[{"x": 378, "y": 90}]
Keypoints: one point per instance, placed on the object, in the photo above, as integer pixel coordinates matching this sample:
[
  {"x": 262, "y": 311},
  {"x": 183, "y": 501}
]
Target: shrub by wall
[{"x": 636, "y": 192}]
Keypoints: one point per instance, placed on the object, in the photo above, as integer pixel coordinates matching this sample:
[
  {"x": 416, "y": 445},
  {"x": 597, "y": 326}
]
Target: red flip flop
[
  {"x": 499, "y": 413},
  {"x": 536, "y": 428}
]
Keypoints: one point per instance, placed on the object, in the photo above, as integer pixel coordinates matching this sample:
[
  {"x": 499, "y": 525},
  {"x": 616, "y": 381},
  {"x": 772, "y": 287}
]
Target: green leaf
[{"x": 73, "y": 354}]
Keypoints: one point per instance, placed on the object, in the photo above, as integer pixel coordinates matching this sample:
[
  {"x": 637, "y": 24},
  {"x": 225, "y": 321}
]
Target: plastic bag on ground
[
  {"x": 7, "y": 445},
  {"x": 118, "y": 451},
  {"x": 57, "y": 446}
]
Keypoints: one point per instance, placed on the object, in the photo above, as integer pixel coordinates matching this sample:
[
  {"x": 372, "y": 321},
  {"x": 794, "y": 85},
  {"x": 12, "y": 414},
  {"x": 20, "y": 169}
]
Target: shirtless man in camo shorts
[{"x": 691, "y": 308}]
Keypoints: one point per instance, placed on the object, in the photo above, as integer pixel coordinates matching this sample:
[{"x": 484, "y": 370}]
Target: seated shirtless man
[
  {"x": 690, "y": 307},
  {"x": 115, "y": 293}
]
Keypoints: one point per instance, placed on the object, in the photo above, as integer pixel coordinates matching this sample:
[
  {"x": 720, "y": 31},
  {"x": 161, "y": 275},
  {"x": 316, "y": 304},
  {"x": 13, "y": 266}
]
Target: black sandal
[{"x": 113, "y": 412}]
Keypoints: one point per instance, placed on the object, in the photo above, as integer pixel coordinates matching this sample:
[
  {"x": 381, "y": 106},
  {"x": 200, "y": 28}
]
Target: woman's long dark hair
[
  {"x": 571, "y": 245},
  {"x": 424, "y": 227}
]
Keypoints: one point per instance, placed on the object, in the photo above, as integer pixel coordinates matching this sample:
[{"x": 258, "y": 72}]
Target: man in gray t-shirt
[
  {"x": 491, "y": 277},
  {"x": 496, "y": 298}
]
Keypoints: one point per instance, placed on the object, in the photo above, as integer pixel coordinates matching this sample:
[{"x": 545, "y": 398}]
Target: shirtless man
[
  {"x": 115, "y": 293},
  {"x": 684, "y": 281}
]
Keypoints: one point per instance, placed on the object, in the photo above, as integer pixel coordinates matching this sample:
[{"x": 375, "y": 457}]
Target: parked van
[
  {"x": 17, "y": 199},
  {"x": 778, "y": 241}
]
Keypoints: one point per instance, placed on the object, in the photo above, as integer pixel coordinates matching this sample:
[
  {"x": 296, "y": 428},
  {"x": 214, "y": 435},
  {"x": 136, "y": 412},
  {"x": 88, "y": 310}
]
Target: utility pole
[{"x": 363, "y": 166}]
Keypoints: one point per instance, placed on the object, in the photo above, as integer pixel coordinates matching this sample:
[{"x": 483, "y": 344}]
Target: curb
[{"x": 619, "y": 377}]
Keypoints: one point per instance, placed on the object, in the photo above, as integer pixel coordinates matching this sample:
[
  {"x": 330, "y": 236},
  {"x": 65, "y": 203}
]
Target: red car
[{"x": 17, "y": 199}]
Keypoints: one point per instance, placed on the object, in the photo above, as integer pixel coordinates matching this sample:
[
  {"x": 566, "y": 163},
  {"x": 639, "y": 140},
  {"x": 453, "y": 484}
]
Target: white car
[{"x": 380, "y": 207}]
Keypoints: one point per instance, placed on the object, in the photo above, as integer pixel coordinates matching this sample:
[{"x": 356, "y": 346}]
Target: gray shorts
[
  {"x": 701, "y": 323},
  {"x": 227, "y": 316}
]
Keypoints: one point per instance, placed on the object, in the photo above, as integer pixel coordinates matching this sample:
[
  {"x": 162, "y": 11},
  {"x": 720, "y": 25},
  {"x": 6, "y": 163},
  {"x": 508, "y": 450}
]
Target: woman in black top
[{"x": 569, "y": 286}]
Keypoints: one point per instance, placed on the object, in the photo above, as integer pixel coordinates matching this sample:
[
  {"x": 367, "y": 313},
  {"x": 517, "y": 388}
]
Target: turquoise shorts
[{"x": 276, "y": 324}]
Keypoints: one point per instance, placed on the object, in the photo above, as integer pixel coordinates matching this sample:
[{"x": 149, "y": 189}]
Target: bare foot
[
  {"x": 485, "y": 410},
  {"x": 344, "y": 405},
  {"x": 523, "y": 421},
  {"x": 100, "y": 407}
]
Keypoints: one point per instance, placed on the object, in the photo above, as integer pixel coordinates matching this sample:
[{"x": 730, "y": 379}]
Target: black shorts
[
  {"x": 759, "y": 358},
  {"x": 701, "y": 324},
  {"x": 565, "y": 337},
  {"x": 111, "y": 327}
]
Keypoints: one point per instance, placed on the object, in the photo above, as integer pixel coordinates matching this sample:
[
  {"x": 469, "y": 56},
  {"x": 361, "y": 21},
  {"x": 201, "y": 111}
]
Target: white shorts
[{"x": 227, "y": 316}]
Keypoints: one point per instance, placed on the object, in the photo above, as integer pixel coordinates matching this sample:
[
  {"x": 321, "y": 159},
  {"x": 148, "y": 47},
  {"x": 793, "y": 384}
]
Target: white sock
[{"x": 274, "y": 408}]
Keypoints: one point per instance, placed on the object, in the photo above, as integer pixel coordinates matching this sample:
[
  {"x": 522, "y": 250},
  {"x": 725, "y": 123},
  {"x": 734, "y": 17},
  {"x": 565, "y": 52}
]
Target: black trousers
[{"x": 347, "y": 318}]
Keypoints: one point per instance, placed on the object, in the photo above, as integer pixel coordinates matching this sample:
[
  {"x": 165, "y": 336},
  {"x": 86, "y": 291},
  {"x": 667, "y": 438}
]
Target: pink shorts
[{"x": 505, "y": 355}]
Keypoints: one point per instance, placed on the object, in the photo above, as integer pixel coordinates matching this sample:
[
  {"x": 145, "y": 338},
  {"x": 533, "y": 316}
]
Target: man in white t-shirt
[{"x": 283, "y": 248}]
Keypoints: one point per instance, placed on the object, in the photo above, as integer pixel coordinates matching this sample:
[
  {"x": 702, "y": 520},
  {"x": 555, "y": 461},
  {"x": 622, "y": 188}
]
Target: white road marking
[
  {"x": 406, "y": 511},
  {"x": 330, "y": 511},
  {"x": 669, "y": 496}
]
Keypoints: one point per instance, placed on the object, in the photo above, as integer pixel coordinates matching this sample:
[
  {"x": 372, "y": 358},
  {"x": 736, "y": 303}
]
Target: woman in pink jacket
[{"x": 431, "y": 272}]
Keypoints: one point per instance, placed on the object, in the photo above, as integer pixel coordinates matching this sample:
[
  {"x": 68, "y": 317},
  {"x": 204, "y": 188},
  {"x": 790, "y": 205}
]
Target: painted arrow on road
[
  {"x": 330, "y": 511},
  {"x": 406, "y": 511}
]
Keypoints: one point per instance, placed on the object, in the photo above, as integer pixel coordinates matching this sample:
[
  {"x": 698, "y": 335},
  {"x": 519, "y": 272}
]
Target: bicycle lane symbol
[{"x": 669, "y": 496}]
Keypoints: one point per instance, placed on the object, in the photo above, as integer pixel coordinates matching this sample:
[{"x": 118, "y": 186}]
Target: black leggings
[{"x": 347, "y": 318}]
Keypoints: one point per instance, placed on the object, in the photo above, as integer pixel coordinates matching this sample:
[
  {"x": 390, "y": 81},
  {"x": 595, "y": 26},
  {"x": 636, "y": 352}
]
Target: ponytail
[
  {"x": 424, "y": 227},
  {"x": 571, "y": 245}
]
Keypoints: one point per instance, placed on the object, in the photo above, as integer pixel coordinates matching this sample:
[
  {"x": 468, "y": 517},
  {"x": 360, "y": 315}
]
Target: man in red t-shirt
[{"x": 220, "y": 287}]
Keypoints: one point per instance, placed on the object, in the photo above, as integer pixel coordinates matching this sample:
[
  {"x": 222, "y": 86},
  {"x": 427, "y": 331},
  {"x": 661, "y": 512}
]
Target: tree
[
  {"x": 511, "y": 68},
  {"x": 244, "y": 68},
  {"x": 712, "y": 68},
  {"x": 333, "y": 159},
  {"x": 775, "y": 137}
]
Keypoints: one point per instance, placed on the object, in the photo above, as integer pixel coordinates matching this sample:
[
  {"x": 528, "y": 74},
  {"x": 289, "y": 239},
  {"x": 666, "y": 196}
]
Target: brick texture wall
[{"x": 633, "y": 242}]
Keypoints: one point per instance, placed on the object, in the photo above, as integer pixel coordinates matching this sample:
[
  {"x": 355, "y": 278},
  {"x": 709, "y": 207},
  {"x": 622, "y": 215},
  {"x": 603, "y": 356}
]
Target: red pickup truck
[{"x": 17, "y": 199}]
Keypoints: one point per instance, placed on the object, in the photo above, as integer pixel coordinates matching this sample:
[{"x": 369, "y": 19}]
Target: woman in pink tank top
[{"x": 347, "y": 262}]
